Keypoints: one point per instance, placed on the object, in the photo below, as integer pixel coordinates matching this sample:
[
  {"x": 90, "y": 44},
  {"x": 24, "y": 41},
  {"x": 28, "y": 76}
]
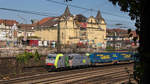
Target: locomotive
[{"x": 64, "y": 61}]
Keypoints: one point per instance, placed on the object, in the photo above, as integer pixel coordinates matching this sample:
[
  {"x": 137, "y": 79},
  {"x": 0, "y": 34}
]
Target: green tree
[
  {"x": 129, "y": 31},
  {"x": 138, "y": 10},
  {"x": 24, "y": 57},
  {"x": 37, "y": 56}
]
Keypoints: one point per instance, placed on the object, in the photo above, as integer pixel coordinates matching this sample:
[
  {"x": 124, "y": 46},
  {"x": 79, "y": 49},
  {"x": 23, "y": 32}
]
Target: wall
[
  {"x": 47, "y": 34},
  {"x": 9, "y": 65}
]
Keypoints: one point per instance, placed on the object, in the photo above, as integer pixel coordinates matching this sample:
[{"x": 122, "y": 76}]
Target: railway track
[
  {"x": 107, "y": 78},
  {"x": 72, "y": 76},
  {"x": 75, "y": 78}
]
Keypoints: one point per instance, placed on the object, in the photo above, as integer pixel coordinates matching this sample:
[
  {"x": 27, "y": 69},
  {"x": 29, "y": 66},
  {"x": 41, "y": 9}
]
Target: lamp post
[
  {"x": 58, "y": 38},
  {"x": 114, "y": 41},
  {"x": 25, "y": 37},
  {"x": 5, "y": 32}
]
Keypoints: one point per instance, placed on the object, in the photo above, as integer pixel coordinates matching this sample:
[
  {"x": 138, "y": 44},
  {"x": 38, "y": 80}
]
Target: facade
[
  {"x": 25, "y": 31},
  {"x": 8, "y": 32},
  {"x": 119, "y": 39},
  {"x": 26, "y": 35},
  {"x": 91, "y": 31},
  {"x": 8, "y": 29}
]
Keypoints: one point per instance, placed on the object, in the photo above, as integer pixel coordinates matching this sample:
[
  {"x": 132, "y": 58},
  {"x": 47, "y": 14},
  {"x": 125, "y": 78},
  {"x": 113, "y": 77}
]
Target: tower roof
[
  {"x": 99, "y": 16},
  {"x": 67, "y": 12}
]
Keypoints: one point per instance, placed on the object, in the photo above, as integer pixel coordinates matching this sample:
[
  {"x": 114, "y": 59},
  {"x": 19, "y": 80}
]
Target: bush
[
  {"x": 24, "y": 57},
  {"x": 37, "y": 56}
]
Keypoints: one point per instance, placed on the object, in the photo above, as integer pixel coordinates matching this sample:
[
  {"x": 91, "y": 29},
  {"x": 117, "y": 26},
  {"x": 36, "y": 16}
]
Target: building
[
  {"x": 119, "y": 38},
  {"x": 26, "y": 35},
  {"x": 8, "y": 31},
  {"x": 25, "y": 31},
  {"x": 74, "y": 29}
]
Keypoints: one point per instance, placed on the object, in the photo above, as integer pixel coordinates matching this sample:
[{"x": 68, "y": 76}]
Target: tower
[{"x": 66, "y": 13}]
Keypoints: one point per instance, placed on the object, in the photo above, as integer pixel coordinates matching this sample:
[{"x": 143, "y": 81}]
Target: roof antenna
[
  {"x": 67, "y": 0},
  {"x": 91, "y": 10}
]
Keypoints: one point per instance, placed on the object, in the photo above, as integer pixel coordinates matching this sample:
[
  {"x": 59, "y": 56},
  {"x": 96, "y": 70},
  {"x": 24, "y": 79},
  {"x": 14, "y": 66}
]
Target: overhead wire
[
  {"x": 30, "y": 12},
  {"x": 24, "y": 11},
  {"x": 46, "y": 14},
  {"x": 88, "y": 9}
]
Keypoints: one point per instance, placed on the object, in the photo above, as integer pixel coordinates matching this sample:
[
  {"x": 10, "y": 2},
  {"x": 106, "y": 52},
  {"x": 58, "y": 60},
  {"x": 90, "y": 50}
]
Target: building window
[
  {"x": 83, "y": 29},
  {"x": 83, "y": 34},
  {"x": 62, "y": 35}
]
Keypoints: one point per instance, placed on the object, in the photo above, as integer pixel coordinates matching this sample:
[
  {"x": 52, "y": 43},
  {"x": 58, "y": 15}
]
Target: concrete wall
[{"x": 9, "y": 65}]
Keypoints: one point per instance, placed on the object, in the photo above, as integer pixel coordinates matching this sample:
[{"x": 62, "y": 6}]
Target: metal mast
[{"x": 58, "y": 38}]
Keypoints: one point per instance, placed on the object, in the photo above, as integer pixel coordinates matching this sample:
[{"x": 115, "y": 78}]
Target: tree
[
  {"x": 80, "y": 18},
  {"x": 138, "y": 10},
  {"x": 129, "y": 31}
]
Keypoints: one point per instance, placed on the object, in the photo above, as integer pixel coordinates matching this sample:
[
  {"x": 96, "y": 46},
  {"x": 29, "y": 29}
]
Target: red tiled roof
[
  {"x": 121, "y": 31},
  {"x": 8, "y": 22},
  {"x": 117, "y": 30},
  {"x": 45, "y": 20},
  {"x": 25, "y": 26}
]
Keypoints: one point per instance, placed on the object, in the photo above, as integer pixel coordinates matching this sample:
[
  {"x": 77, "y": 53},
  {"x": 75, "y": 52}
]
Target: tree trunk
[{"x": 144, "y": 40}]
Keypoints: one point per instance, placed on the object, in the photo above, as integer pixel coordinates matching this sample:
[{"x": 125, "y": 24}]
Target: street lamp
[
  {"x": 25, "y": 21},
  {"x": 25, "y": 38},
  {"x": 114, "y": 41}
]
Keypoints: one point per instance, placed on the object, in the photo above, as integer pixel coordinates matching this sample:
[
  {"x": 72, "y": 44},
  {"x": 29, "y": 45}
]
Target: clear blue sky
[{"x": 110, "y": 13}]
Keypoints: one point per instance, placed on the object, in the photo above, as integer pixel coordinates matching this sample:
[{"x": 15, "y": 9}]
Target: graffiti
[
  {"x": 66, "y": 61},
  {"x": 126, "y": 55},
  {"x": 114, "y": 55},
  {"x": 105, "y": 57},
  {"x": 84, "y": 61}
]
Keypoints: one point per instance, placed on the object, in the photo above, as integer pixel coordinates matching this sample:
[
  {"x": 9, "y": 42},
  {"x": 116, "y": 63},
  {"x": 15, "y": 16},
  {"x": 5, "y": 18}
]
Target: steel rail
[
  {"x": 78, "y": 76},
  {"x": 55, "y": 74}
]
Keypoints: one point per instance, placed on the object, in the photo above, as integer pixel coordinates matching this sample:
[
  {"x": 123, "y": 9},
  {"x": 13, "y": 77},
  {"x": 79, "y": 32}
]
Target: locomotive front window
[
  {"x": 51, "y": 57},
  {"x": 70, "y": 58},
  {"x": 59, "y": 58}
]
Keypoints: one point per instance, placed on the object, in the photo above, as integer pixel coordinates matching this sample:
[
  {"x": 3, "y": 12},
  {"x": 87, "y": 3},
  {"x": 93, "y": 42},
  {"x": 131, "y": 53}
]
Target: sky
[{"x": 109, "y": 12}]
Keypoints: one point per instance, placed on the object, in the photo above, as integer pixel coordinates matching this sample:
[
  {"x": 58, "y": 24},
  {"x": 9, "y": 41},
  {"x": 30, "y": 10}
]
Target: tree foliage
[
  {"x": 80, "y": 18},
  {"x": 129, "y": 31},
  {"x": 131, "y": 6},
  {"x": 26, "y": 56},
  {"x": 37, "y": 56},
  {"x": 134, "y": 9}
]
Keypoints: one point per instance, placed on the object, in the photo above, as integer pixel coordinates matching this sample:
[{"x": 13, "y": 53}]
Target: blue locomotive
[{"x": 58, "y": 61}]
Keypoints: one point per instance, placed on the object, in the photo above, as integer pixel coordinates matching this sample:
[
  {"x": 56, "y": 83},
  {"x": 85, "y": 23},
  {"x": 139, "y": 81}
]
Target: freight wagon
[{"x": 110, "y": 57}]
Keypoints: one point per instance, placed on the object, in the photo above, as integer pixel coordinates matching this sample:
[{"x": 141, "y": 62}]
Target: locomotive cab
[
  {"x": 50, "y": 62},
  {"x": 54, "y": 61}
]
